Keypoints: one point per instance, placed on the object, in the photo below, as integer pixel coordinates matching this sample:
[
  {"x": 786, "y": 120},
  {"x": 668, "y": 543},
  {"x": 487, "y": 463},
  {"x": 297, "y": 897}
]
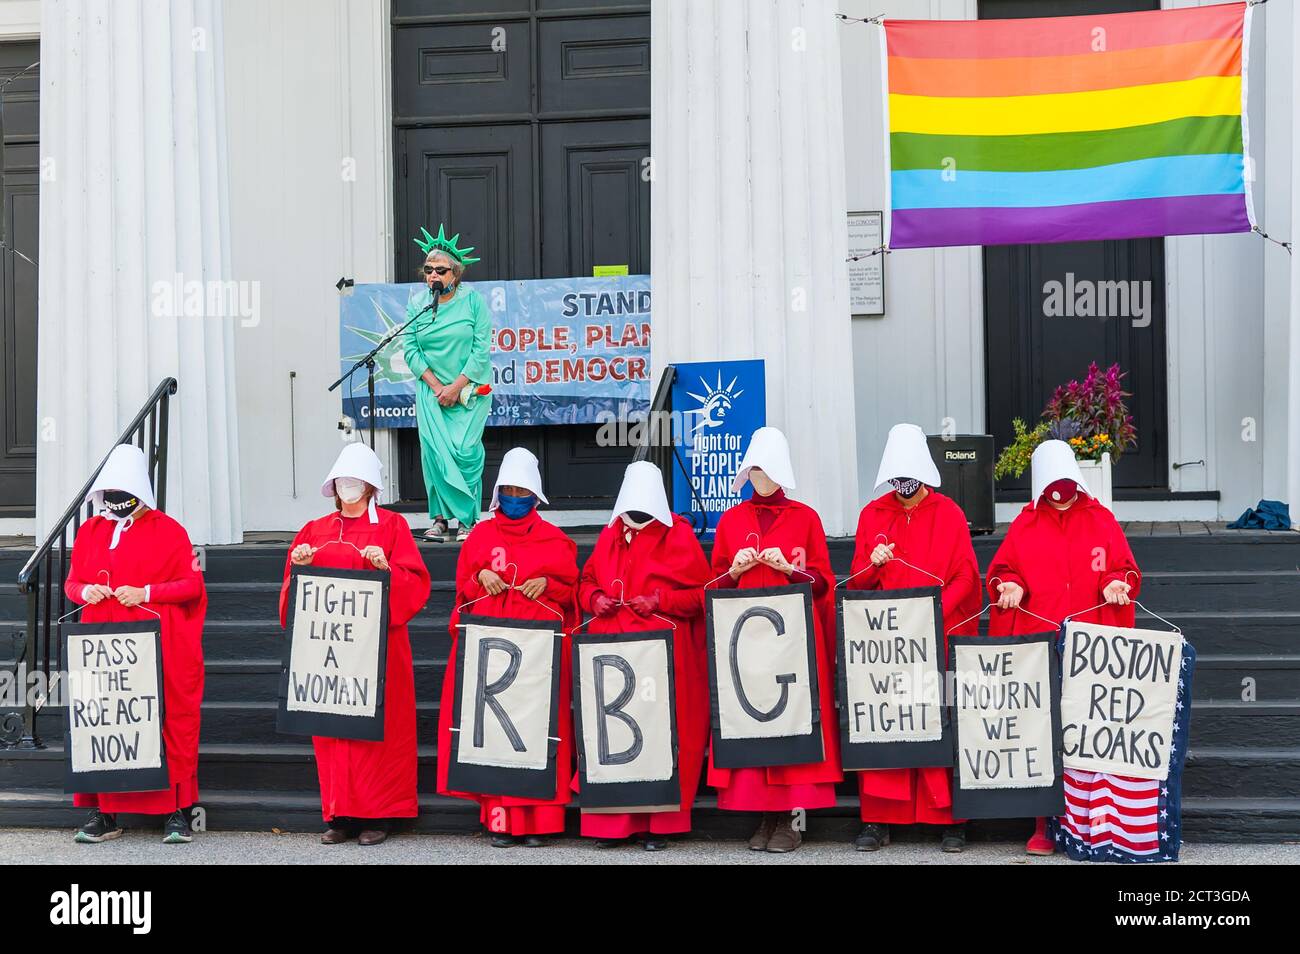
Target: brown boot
[
  {"x": 758, "y": 841},
  {"x": 372, "y": 836},
  {"x": 335, "y": 836},
  {"x": 785, "y": 838}
]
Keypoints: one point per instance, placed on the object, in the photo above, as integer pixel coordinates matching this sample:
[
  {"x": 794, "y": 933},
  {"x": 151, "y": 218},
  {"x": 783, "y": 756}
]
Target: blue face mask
[{"x": 516, "y": 507}]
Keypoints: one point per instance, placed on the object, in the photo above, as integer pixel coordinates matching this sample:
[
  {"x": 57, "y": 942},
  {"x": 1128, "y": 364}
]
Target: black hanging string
[
  {"x": 848, "y": 19},
  {"x": 1260, "y": 232},
  {"x": 883, "y": 250}
]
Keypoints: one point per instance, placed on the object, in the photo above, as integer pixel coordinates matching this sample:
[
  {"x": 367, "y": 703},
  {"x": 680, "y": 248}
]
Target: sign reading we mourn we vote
[
  {"x": 332, "y": 684},
  {"x": 891, "y": 679},
  {"x": 625, "y": 703},
  {"x": 507, "y": 708},
  {"x": 114, "y": 722},
  {"x": 763, "y": 677},
  {"x": 1119, "y": 695},
  {"x": 1007, "y": 705}
]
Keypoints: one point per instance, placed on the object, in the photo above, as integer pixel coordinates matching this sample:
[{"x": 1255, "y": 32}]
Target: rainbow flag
[{"x": 1067, "y": 129}]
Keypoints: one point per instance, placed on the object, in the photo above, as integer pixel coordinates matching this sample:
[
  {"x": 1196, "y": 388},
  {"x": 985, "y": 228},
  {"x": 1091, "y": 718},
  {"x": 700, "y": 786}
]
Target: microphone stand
[{"x": 369, "y": 359}]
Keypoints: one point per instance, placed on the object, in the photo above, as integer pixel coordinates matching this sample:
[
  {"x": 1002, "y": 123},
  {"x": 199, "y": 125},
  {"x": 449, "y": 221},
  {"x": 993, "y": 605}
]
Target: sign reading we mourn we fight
[
  {"x": 332, "y": 684},
  {"x": 891, "y": 679},
  {"x": 507, "y": 708},
  {"x": 762, "y": 655},
  {"x": 114, "y": 721},
  {"x": 1007, "y": 705},
  {"x": 625, "y": 704},
  {"x": 1119, "y": 698}
]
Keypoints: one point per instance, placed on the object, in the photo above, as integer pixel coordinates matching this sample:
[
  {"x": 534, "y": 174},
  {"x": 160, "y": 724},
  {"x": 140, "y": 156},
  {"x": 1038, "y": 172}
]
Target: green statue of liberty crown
[{"x": 428, "y": 243}]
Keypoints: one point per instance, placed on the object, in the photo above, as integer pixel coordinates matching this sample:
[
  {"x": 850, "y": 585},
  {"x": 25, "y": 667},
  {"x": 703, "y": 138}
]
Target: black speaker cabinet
[{"x": 965, "y": 465}]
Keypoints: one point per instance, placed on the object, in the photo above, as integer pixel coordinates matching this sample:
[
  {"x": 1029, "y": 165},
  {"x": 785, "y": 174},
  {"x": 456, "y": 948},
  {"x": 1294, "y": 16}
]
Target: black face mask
[
  {"x": 639, "y": 516},
  {"x": 120, "y": 501}
]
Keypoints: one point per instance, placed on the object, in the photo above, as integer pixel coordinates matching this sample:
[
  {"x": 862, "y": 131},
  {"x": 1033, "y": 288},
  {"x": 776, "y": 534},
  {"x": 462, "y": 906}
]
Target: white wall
[
  {"x": 306, "y": 90},
  {"x": 924, "y": 360},
  {"x": 1227, "y": 296}
]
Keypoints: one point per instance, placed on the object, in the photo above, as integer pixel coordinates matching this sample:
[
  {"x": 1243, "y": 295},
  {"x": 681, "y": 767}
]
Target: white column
[
  {"x": 134, "y": 250},
  {"x": 748, "y": 218},
  {"x": 1293, "y": 390}
]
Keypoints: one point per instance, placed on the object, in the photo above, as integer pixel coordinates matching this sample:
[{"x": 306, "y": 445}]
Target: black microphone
[{"x": 437, "y": 288}]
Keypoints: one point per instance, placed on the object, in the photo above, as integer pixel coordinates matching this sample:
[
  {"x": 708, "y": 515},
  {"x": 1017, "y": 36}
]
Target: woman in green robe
[{"x": 449, "y": 356}]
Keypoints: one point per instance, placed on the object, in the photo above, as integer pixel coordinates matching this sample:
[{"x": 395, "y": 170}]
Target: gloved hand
[
  {"x": 645, "y": 605},
  {"x": 602, "y": 605}
]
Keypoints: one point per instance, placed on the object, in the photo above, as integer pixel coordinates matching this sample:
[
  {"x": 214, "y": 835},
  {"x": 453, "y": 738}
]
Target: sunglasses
[{"x": 440, "y": 271}]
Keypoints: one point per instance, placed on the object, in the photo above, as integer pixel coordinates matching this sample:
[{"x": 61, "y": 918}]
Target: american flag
[{"x": 1129, "y": 820}]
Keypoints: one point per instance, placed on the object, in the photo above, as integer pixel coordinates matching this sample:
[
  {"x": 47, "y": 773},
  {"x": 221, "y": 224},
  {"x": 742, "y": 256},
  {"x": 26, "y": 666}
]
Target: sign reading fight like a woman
[
  {"x": 891, "y": 679},
  {"x": 114, "y": 739},
  {"x": 1007, "y": 706},
  {"x": 762, "y": 656},
  {"x": 626, "y": 720},
  {"x": 507, "y": 708},
  {"x": 332, "y": 683},
  {"x": 1119, "y": 698}
]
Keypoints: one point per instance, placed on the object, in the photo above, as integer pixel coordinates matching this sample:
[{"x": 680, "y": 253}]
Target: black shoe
[
  {"x": 954, "y": 840},
  {"x": 534, "y": 841},
  {"x": 502, "y": 840},
  {"x": 176, "y": 830},
  {"x": 872, "y": 837},
  {"x": 654, "y": 843},
  {"x": 611, "y": 842},
  {"x": 98, "y": 827}
]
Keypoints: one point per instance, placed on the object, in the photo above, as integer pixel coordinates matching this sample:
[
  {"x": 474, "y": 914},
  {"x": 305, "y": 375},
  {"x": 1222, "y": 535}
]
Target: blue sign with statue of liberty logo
[{"x": 717, "y": 405}]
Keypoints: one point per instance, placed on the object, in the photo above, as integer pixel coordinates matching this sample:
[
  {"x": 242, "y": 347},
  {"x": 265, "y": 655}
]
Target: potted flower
[{"x": 1089, "y": 415}]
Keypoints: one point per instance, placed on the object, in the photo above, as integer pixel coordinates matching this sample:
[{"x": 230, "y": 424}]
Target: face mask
[
  {"x": 349, "y": 489},
  {"x": 637, "y": 518},
  {"x": 1061, "y": 491},
  {"x": 120, "y": 502},
  {"x": 906, "y": 488},
  {"x": 516, "y": 507}
]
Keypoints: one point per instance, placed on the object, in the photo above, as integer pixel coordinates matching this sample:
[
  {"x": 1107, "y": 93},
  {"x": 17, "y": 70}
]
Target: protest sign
[
  {"x": 1119, "y": 697},
  {"x": 335, "y": 660},
  {"x": 891, "y": 679},
  {"x": 763, "y": 690},
  {"x": 507, "y": 706},
  {"x": 626, "y": 720},
  {"x": 114, "y": 722},
  {"x": 1007, "y": 715}
]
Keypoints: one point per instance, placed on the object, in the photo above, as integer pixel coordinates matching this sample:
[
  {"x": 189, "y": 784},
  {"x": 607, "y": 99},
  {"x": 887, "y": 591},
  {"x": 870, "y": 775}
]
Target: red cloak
[
  {"x": 517, "y": 551},
  {"x": 797, "y": 530},
  {"x": 154, "y": 551},
  {"x": 359, "y": 779},
  {"x": 670, "y": 562},
  {"x": 1063, "y": 559},
  {"x": 933, "y": 536}
]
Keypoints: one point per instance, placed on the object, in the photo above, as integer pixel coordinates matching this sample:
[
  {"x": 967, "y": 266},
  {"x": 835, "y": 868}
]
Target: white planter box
[{"x": 1097, "y": 475}]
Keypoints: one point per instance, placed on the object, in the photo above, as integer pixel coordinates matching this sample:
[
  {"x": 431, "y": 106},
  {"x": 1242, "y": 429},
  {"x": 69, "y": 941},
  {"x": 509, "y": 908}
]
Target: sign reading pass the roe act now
[
  {"x": 114, "y": 739},
  {"x": 332, "y": 684}
]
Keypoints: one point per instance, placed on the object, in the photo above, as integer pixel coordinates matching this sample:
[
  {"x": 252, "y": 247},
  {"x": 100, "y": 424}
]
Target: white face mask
[{"x": 349, "y": 489}]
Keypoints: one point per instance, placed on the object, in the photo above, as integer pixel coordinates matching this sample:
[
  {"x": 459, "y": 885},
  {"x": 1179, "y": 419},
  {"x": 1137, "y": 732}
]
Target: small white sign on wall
[{"x": 866, "y": 271}]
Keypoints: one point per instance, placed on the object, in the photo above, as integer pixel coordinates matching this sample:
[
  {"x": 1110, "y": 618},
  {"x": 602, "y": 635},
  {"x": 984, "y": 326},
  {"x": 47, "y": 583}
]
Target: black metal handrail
[{"x": 39, "y": 580}]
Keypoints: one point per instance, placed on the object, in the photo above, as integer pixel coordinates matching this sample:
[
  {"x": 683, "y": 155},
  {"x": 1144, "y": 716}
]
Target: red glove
[
  {"x": 645, "y": 605},
  {"x": 602, "y": 605}
]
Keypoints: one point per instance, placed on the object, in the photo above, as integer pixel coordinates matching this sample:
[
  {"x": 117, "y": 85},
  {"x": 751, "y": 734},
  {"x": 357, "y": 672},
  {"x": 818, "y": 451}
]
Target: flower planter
[{"x": 1097, "y": 475}]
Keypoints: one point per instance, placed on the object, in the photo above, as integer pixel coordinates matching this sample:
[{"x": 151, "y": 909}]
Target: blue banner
[
  {"x": 564, "y": 350},
  {"x": 718, "y": 405}
]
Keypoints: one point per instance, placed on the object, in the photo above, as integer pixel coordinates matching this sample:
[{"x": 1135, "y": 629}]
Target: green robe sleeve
[
  {"x": 478, "y": 364},
  {"x": 411, "y": 349}
]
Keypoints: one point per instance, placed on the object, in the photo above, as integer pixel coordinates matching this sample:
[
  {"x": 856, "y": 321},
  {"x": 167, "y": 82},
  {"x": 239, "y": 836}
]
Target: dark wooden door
[
  {"x": 1029, "y": 349},
  {"x": 523, "y": 124},
  {"x": 19, "y": 180}
]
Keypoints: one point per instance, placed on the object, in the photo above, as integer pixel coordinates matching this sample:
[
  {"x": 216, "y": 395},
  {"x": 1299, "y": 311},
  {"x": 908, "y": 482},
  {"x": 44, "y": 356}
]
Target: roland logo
[{"x": 959, "y": 455}]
